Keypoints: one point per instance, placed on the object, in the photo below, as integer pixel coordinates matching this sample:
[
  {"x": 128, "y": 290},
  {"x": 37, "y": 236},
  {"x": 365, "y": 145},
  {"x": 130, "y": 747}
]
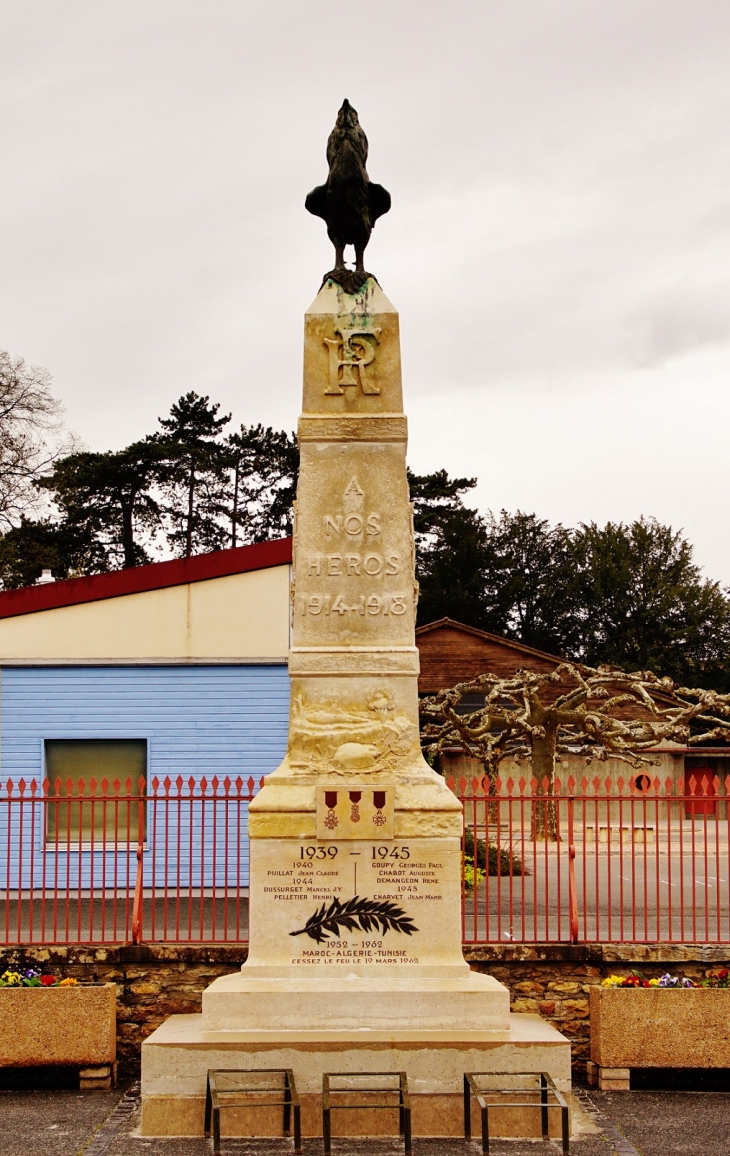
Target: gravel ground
[{"x": 637, "y": 1123}]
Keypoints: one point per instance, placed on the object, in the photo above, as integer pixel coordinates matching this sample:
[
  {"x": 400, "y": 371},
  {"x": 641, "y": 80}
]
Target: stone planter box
[
  {"x": 651, "y": 1028},
  {"x": 75, "y": 1026}
]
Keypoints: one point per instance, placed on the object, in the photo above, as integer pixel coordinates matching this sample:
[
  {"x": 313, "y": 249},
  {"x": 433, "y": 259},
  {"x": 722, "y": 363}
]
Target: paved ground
[{"x": 637, "y": 1123}]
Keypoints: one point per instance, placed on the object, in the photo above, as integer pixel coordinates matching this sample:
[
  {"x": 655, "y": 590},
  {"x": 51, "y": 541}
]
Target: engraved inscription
[
  {"x": 349, "y": 355},
  {"x": 352, "y": 525},
  {"x": 352, "y": 565},
  {"x": 398, "y": 886},
  {"x": 371, "y": 604}
]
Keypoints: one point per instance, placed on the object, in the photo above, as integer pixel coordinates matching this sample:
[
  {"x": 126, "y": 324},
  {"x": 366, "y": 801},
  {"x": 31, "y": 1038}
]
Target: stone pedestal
[{"x": 355, "y": 958}]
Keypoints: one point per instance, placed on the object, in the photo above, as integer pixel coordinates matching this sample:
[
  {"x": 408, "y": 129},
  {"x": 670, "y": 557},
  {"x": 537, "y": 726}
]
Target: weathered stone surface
[
  {"x": 655, "y": 1028},
  {"x": 60, "y": 1025},
  {"x": 181, "y": 972}
]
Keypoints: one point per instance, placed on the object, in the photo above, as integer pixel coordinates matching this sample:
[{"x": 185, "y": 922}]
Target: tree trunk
[
  {"x": 128, "y": 535},
  {"x": 544, "y": 820},
  {"x": 191, "y": 496},
  {"x": 234, "y": 520}
]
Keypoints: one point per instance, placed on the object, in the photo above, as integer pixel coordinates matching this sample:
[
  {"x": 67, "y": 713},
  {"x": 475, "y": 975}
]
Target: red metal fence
[{"x": 595, "y": 860}]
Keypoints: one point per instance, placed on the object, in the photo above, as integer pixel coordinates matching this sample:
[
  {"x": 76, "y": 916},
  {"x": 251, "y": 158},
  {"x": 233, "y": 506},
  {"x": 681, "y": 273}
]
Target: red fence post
[
  {"x": 572, "y": 894},
  {"x": 137, "y": 912}
]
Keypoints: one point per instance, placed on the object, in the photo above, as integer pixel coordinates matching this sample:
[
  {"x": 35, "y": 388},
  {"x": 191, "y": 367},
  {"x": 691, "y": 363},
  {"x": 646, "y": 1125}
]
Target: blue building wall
[{"x": 199, "y": 721}]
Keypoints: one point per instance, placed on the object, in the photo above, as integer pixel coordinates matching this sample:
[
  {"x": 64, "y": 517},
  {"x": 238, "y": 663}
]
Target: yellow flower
[
  {"x": 68, "y": 982},
  {"x": 11, "y": 978},
  {"x": 611, "y": 981},
  {"x": 653, "y": 983}
]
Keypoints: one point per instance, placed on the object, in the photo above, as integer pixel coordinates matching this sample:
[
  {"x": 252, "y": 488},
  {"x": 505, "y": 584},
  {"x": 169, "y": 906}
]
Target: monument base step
[
  {"x": 343, "y": 1003},
  {"x": 177, "y": 1056}
]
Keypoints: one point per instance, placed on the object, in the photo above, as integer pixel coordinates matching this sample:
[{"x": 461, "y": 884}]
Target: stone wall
[{"x": 551, "y": 980}]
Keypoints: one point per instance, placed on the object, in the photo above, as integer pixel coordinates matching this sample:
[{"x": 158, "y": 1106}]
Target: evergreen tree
[
  {"x": 109, "y": 499},
  {"x": 642, "y": 603},
  {"x": 264, "y": 472},
  {"x": 450, "y": 549},
  {"x": 68, "y": 550},
  {"x": 193, "y": 475},
  {"x": 530, "y": 590}
]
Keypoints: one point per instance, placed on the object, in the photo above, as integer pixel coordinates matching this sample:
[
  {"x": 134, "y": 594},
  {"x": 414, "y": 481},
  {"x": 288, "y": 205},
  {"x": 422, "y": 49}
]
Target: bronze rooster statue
[{"x": 349, "y": 202}]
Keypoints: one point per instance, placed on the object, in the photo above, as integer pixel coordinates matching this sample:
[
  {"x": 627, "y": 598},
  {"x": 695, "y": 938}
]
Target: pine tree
[
  {"x": 109, "y": 499},
  {"x": 193, "y": 475}
]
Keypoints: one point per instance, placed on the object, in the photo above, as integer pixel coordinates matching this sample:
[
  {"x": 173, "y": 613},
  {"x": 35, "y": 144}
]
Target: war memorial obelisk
[{"x": 355, "y": 959}]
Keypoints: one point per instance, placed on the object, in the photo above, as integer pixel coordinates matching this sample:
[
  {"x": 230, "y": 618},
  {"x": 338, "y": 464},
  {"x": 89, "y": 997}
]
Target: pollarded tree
[{"x": 594, "y": 712}]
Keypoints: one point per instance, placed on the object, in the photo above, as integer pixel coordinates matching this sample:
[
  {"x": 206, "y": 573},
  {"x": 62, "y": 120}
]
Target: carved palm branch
[{"x": 357, "y": 914}]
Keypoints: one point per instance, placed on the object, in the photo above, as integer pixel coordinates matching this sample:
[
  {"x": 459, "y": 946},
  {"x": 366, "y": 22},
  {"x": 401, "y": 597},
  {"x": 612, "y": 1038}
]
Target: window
[{"x": 71, "y": 815}]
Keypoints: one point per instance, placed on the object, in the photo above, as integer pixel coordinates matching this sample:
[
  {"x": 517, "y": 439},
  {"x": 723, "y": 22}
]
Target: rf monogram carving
[{"x": 349, "y": 354}]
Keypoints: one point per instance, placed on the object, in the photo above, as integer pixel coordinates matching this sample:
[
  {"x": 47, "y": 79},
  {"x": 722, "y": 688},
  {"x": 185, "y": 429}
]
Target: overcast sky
[{"x": 558, "y": 246}]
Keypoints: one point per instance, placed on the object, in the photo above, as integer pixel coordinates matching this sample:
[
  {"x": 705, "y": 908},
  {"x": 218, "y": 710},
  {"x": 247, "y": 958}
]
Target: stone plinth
[
  {"x": 351, "y": 1002},
  {"x": 176, "y": 1058}
]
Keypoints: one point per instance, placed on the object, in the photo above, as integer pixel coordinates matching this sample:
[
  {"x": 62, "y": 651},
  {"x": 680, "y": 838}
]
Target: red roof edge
[{"x": 156, "y": 576}]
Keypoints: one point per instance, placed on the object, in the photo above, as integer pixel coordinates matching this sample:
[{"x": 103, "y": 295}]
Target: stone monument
[{"x": 355, "y": 959}]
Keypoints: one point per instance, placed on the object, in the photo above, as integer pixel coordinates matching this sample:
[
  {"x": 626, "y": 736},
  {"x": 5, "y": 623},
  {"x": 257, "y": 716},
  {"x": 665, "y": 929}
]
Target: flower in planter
[
  {"x": 69, "y": 981},
  {"x": 636, "y": 980},
  {"x": 11, "y": 979},
  {"x": 719, "y": 978},
  {"x": 48, "y": 980},
  {"x": 668, "y": 980}
]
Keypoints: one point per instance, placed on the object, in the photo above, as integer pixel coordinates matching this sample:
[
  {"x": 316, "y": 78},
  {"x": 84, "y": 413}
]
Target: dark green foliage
[
  {"x": 642, "y": 603},
  {"x": 108, "y": 499},
  {"x": 491, "y": 859},
  {"x": 265, "y": 469},
  {"x": 356, "y": 915},
  {"x": 450, "y": 549},
  {"x": 629, "y": 595},
  {"x": 193, "y": 475},
  {"x": 28, "y": 549},
  {"x": 529, "y": 589}
]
